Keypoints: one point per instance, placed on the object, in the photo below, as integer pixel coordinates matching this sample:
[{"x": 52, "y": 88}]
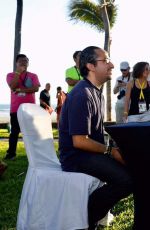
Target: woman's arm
[{"x": 127, "y": 98}]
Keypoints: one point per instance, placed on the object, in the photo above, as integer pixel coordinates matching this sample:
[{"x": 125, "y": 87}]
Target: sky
[{"x": 49, "y": 39}]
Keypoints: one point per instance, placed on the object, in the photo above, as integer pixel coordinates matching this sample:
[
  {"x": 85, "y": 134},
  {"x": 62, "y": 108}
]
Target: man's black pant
[
  {"x": 118, "y": 181},
  {"x": 13, "y": 138}
]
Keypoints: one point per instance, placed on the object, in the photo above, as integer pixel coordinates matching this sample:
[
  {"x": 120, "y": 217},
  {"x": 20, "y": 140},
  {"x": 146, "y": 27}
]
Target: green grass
[
  {"x": 55, "y": 133},
  {"x": 5, "y": 134},
  {"x": 11, "y": 186}
]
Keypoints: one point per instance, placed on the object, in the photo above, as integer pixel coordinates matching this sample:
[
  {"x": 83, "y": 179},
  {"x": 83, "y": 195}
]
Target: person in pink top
[{"x": 23, "y": 85}]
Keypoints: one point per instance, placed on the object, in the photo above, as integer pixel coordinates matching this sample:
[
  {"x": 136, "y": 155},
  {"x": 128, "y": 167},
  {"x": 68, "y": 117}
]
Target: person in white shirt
[{"x": 120, "y": 88}]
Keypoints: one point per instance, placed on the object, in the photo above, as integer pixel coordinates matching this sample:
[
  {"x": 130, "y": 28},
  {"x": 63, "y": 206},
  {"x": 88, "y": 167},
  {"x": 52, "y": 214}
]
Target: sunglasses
[{"x": 122, "y": 70}]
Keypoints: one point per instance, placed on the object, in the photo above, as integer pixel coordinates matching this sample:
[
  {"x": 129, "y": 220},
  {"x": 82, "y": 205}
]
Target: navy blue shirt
[{"x": 82, "y": 114}]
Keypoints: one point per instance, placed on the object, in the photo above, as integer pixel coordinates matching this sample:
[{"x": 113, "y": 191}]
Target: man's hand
[
  {"x": 20, "y": 69},
  {"x": 117, "y": 156},
  {"x": 49, "y": 109},
  {"x": 122, "y": 84},
  {"x": 17, "y": 90}
]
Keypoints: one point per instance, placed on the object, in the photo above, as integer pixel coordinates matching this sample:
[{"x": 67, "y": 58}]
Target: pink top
[{"x": 19, "y": 98}]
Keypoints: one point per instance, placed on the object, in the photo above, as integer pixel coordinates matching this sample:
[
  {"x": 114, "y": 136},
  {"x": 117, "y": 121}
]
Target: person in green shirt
[{"x": 73, "y": 74}]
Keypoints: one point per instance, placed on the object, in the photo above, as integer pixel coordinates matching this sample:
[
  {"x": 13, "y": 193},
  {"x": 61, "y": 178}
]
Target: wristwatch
[{"x": 108, "y": 150}]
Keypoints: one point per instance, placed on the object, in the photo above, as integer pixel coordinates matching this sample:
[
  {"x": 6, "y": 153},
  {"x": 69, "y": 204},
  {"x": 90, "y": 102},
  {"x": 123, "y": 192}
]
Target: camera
[{"x": 121, "y": 94}]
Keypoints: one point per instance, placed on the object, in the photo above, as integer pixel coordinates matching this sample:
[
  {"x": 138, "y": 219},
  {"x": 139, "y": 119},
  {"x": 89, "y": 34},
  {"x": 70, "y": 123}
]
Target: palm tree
[
  {"x": 102, "y": 17},
  {"x": 18, "y": 24}
]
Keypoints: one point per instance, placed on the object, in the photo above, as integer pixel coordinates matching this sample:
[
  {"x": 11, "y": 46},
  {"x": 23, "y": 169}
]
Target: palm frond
[{"x": 91, "y": 13}]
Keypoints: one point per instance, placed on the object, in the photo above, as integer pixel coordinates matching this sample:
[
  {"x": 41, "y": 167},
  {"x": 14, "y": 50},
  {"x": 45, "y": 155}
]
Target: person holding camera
[
  {"x": 23, "y": 86},
  {"x": 120, "y": 89}
]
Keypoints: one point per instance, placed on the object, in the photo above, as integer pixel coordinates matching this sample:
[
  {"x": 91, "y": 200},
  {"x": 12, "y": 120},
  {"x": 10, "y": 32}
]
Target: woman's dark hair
[
  {"x": 21, "y": 56},
  {"x": 76, "y": 54},
  {"x": 138, "y": 69},
  {"x": 88, "y": 55}
]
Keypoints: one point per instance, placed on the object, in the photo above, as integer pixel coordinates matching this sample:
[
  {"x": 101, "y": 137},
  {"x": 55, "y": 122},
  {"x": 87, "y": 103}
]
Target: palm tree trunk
[
  {"x": 107, "y": 48},
  {"x": 18, "y": 24}
]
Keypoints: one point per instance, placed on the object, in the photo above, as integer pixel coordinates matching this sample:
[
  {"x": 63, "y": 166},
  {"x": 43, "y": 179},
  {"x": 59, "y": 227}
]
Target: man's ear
[{"x": 90, "y": 66}]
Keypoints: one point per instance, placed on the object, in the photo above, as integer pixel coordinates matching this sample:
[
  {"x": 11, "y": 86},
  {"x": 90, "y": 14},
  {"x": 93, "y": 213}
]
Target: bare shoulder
[{"x": 130, "y": 84}]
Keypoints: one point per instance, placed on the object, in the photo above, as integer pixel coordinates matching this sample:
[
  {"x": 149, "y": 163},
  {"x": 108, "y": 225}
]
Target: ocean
[
  {"x": 4, "y": 108},
  {"x": 5, "y": 111}
]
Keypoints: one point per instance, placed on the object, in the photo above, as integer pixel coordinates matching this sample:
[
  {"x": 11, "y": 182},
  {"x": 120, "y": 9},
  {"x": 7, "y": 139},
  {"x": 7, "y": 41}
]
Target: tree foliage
[{"x": 91, "y": 13}]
